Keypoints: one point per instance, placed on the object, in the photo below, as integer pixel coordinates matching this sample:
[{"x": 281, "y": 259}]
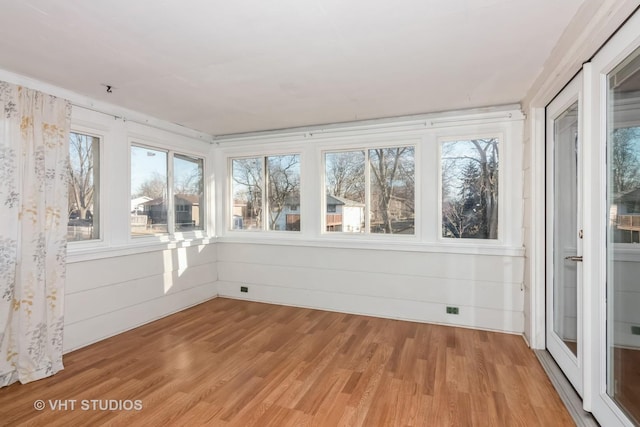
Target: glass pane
[
  {"x": 84, "y": 184},
  {"x": 345, "y": 191},
  {"x": 283, "y": 174},
  {"x": 247, "y": 193},
  {"x": 392, "y": 204},
  {"x": 623, "y": 250},
  {"x": 148, "y": 191},
  {"x": 470, "y": 189},
  {"x": 188, "y": 193},
  {"x": 565, "y": 227}
]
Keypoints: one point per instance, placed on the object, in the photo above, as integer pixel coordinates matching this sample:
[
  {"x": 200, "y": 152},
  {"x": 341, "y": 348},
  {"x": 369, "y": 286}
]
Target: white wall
[
  {"x": 396, "y": 276},
  {"x": 387, "y": 283},
  {"x": 110, "y": 295},
  {"x": 119, "y": 282}
]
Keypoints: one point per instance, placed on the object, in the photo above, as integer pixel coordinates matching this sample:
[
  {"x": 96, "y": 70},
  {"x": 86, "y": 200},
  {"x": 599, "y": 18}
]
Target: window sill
[
  {"x": 85, "y": 253},
  {"x": 370, "y": 243}
]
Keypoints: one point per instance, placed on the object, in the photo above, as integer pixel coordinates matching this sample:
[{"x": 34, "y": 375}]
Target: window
[
  {"x": 188, "y": 192},
  {"x": 266, "y": 193},
  {"x": 84, "y": 179},
  {"x": 151, "y": 207},
  {"x": 470, "y": 189},
  {"x": 383, "y": 204}
]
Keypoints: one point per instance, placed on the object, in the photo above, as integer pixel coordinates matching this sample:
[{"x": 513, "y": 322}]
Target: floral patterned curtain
[{"x": 34, "y": 134}]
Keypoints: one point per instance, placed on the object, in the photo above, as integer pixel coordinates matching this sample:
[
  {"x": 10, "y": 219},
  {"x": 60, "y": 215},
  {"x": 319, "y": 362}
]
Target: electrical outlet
[
  {"x": 452, "y": 310},
  {"x": 635, "y": 330},
  {"x": 244, "y": 289}
]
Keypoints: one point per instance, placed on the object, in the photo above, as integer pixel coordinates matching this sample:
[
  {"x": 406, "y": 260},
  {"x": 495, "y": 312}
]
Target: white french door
[
  {"x": 593, "y": 230},
  {"x": 564, "y": 231},
  {"x": 612, "y": 275}
]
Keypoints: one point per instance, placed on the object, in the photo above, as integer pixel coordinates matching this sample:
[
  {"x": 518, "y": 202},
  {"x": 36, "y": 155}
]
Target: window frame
[
  {"x": 228, "y": 196},
  {"x": 203, "y": 205},
  {"x": 502, "y": 159},
  {"x": 95, "y": 132},
  {"x": 171, "y": 234},
  {"x": 425, "y": 133},
  {"x": 366, "y": 146}
]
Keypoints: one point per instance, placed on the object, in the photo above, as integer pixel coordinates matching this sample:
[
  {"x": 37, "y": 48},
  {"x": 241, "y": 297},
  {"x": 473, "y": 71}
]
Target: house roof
[
  {"x": 629, "y": 196},
  {"x": 342, "y": 201},
  {"x": 184, "y": 199}
]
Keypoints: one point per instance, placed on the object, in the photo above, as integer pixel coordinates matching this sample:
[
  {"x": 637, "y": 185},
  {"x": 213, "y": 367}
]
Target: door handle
[{"x": 574, "y": 258}]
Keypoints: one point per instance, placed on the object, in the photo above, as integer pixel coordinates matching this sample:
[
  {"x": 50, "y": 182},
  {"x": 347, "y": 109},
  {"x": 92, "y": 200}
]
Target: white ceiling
[{"x": 230, "y": 66}]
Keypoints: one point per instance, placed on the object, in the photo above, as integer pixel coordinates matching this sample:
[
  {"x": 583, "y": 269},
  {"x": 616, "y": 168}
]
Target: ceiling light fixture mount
[{"x": 109, "y": 87}]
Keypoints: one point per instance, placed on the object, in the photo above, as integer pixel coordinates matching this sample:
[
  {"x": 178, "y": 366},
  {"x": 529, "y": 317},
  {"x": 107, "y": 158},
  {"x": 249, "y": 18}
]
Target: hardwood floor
[{"x": 236, "y": 363}]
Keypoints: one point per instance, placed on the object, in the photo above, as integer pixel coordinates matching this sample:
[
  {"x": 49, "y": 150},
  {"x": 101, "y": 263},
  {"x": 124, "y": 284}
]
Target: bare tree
[
  {"x": 155, "y": 187},
  {"x": 625, "y": 164},
  {"x": 345, "y": 175},
  {"x": 248, "y": 177},
  {"x": 390, "y": 170},
  {"x": 279, "y": 174},
  {"x": 484, "y": 153},
  {"x": 81, "y": 174},
  {"x": 283, "y": 174},
  {"x": 191, "y": 180}
]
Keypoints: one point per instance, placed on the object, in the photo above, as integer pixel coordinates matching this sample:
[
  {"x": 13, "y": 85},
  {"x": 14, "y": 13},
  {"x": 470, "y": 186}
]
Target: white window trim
[
  {"x": 501, "y": 191},
  {"x": 99, "y": 241},
  {"x": 228, "y": 193},
  {"x": 171, "y": 235},
  {"x": 366, "y": 147},
  {"x": 116, "y": 136},
  {"x": 425, "y": 135}
]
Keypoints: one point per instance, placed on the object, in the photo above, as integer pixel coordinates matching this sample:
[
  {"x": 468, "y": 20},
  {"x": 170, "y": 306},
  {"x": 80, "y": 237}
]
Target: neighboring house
[
  {"x": 187, "y": 207},
  {"x": 344, "y": 215},
  {"x": 624, "y": 215},
  {"x": 137, "y": 204},
  {"x": 187, "y": 210},
  {"x": 341, "y": 215}
]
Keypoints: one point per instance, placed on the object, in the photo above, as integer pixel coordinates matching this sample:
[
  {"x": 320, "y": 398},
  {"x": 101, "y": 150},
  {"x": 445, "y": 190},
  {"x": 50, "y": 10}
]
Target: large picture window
[
  {"x": 84, "y": 184},
  {"x": 152, "y": 207},
  {"x": 266, "y": 193},
  {"x": 470, "y": 188},
  {"x": 385, "y": 203}
]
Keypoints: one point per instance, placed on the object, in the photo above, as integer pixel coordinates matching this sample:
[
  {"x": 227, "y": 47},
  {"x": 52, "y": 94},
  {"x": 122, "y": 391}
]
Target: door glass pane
[
  {"x": 565, "y": 227},
  {"x": 623, "y": 250}
]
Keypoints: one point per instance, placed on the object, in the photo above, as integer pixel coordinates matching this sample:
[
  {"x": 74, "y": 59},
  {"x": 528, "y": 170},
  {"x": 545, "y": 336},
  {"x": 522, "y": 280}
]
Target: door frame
[
  {"x": 619, "y": 47},
  {"x": 570, "y": 364}
]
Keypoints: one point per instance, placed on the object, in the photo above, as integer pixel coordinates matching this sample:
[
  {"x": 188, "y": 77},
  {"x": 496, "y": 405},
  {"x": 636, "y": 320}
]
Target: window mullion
[
  {"x": 265, "y": 194},
  {"x": 170, "y": 195},
  {"x": 367, "y": 193}
]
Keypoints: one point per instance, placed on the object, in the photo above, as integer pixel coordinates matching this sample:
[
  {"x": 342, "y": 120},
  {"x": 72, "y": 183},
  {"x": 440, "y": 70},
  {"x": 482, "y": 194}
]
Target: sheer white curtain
[{"x": 34, "y": 134}]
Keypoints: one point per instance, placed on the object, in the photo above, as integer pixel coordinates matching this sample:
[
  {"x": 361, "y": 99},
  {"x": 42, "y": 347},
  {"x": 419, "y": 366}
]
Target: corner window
[
  {"x": 266, "y": 193},
  {"x": 84, "y": 185},
  {"x": 383, "y": 204},
  {"x": 470, "y": 171},
  {"x": 153, "y": 211}
]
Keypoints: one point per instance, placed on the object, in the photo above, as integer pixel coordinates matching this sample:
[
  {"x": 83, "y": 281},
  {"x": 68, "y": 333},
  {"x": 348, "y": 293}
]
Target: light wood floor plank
[{"x": 237, "y": 363}]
